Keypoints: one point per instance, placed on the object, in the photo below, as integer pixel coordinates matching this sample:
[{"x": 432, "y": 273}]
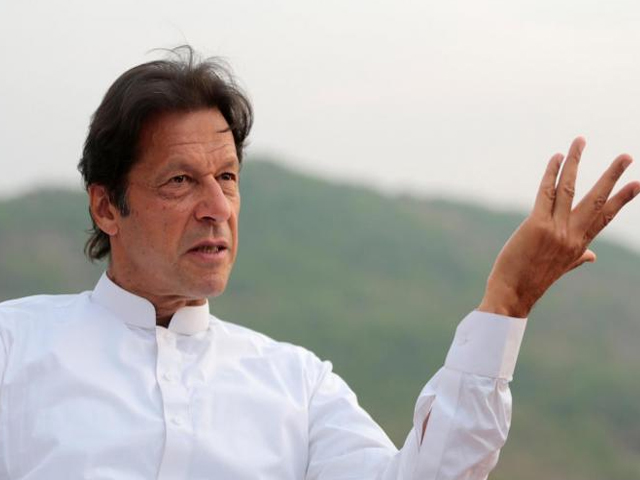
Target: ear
[{"x": 104, "y": 213}]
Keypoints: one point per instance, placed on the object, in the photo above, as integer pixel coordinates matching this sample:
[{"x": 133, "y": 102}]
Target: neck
[{"x": 164, "y": 305}]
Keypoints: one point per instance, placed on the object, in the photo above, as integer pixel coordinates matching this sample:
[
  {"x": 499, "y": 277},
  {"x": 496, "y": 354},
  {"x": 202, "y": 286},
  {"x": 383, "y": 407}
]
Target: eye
[
  {"x": 228, "y": 177},
  {"x": 178, "y": 179}
]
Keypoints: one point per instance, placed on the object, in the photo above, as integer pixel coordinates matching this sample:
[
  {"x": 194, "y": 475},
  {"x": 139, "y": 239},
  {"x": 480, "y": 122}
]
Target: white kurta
[{"x": 91, "y": 388}]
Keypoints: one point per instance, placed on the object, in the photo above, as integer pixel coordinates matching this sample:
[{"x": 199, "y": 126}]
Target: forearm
[{"x": 463, "y": 414}]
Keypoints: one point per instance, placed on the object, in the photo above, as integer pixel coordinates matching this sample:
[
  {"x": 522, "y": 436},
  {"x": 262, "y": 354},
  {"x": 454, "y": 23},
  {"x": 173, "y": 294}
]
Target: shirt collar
[{"x": 139, "y": 311}]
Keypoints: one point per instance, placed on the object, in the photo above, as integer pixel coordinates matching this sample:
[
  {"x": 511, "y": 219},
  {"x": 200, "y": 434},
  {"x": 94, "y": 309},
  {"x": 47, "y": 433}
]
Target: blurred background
[{"x": 396, "y": 146}]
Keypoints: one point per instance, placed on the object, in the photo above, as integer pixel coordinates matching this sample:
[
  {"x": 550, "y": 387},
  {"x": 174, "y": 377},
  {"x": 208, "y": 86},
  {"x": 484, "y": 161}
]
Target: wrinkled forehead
[{"x": 202, "y": 133}]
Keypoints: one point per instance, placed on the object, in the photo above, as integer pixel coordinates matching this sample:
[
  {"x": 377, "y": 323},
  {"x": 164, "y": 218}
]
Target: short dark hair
[{"x": 182, "y": 82}]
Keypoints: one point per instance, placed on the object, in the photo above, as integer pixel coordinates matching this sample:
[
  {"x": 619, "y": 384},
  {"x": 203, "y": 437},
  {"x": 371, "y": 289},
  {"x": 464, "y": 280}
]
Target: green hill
[{"x": 377, "y": 285}]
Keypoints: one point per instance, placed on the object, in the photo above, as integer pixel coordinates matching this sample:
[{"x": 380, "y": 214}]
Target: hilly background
[{"x": 377, "y": 284}]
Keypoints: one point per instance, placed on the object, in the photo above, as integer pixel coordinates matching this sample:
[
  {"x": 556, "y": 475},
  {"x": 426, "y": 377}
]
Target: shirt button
[
  {"x": 177, "y": 421},
  {"x": 167, "y": 338},
  {"x": 168, "y": 376}
]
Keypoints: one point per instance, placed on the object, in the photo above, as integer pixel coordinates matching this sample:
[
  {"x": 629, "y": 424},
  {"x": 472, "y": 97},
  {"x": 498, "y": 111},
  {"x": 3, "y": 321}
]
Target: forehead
[{"x": 203, "y": 134}]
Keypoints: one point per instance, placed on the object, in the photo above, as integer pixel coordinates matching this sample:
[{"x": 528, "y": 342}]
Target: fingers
[
  {"x": 611, "y": 208},
  {"x": 565, "y": 190},
  {"x": 547, "y": 191},
  {"x": 594, "y": 201}
]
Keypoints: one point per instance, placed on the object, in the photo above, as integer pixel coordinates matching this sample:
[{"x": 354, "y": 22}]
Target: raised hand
[{"x": 554, "y": 238}]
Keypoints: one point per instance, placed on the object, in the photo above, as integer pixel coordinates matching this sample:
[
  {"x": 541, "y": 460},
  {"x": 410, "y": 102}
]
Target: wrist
[{"x": 505, "y": 300}]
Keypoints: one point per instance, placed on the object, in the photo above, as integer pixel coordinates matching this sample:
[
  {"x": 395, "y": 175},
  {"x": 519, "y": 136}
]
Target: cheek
[
  {"x": 169, "y": 224},
  {"x": 234, "y": 230},
  {"x": 235, "y": 216},
  {"x": 157, "y": 229}
]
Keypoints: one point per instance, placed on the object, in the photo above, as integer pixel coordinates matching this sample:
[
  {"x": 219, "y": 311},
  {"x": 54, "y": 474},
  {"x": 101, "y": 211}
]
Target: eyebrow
[
  {"x": 231, "y": 162},
  {"x": 181, "y": 164},
  {"x": 177, "y": 164}
]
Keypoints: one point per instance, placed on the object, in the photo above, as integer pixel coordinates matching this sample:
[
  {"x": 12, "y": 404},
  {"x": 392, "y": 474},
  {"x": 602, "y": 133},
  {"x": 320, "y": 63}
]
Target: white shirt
[{"x": 91, "y": 388}]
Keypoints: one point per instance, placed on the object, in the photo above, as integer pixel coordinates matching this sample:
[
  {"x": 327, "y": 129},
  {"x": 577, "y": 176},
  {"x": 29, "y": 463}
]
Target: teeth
[{"x": 210, "y": 249}]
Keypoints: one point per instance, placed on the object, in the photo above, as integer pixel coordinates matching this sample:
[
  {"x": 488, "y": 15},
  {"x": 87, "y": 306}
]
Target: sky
[{"x": 459, "y": 99}]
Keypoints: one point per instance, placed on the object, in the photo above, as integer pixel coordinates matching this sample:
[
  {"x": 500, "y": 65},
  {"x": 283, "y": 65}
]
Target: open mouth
[{"x": 209, "y": 249}]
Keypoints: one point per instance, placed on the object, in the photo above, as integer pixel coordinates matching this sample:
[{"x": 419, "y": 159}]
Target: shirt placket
[{"x": 177, "y": 416}]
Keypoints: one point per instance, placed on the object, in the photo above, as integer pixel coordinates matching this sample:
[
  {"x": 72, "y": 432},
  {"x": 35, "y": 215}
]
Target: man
[{"x": 136, "y": 379}]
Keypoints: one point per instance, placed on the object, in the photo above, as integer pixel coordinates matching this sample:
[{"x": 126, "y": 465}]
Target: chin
[
  {"x": 215, "y": 292},
  {"x": 213, "y": 287}
]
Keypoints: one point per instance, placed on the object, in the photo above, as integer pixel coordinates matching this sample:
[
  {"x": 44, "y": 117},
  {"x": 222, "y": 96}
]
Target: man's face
[{"x": 180, "y": 239}]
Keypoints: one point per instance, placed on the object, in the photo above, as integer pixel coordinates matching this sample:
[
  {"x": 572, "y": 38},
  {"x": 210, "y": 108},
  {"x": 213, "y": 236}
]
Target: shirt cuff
[{"x": 486, "y": 344}]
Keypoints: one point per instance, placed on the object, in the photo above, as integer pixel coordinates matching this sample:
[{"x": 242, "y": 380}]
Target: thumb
[{"x": 587, "y": 257}]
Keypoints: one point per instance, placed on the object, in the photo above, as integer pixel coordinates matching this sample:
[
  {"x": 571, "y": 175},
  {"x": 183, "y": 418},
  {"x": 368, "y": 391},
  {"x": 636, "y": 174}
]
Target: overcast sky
[{"x": 466, "y": 99}]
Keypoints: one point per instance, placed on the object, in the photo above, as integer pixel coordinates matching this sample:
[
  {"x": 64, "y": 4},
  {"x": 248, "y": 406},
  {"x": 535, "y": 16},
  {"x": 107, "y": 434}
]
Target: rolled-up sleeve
[{"x": 461, "y": 418}]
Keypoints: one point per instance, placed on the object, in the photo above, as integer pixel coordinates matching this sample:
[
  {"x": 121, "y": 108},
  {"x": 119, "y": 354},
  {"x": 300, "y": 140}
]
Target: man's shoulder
[
  {"x": 258, "y": 339},
  {"x": 267, "y": 347},
  {"x": 38, "y": 306}
]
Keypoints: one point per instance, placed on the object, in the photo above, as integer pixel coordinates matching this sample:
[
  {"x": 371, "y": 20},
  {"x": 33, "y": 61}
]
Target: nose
[{"x": 213, "y": 205}]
